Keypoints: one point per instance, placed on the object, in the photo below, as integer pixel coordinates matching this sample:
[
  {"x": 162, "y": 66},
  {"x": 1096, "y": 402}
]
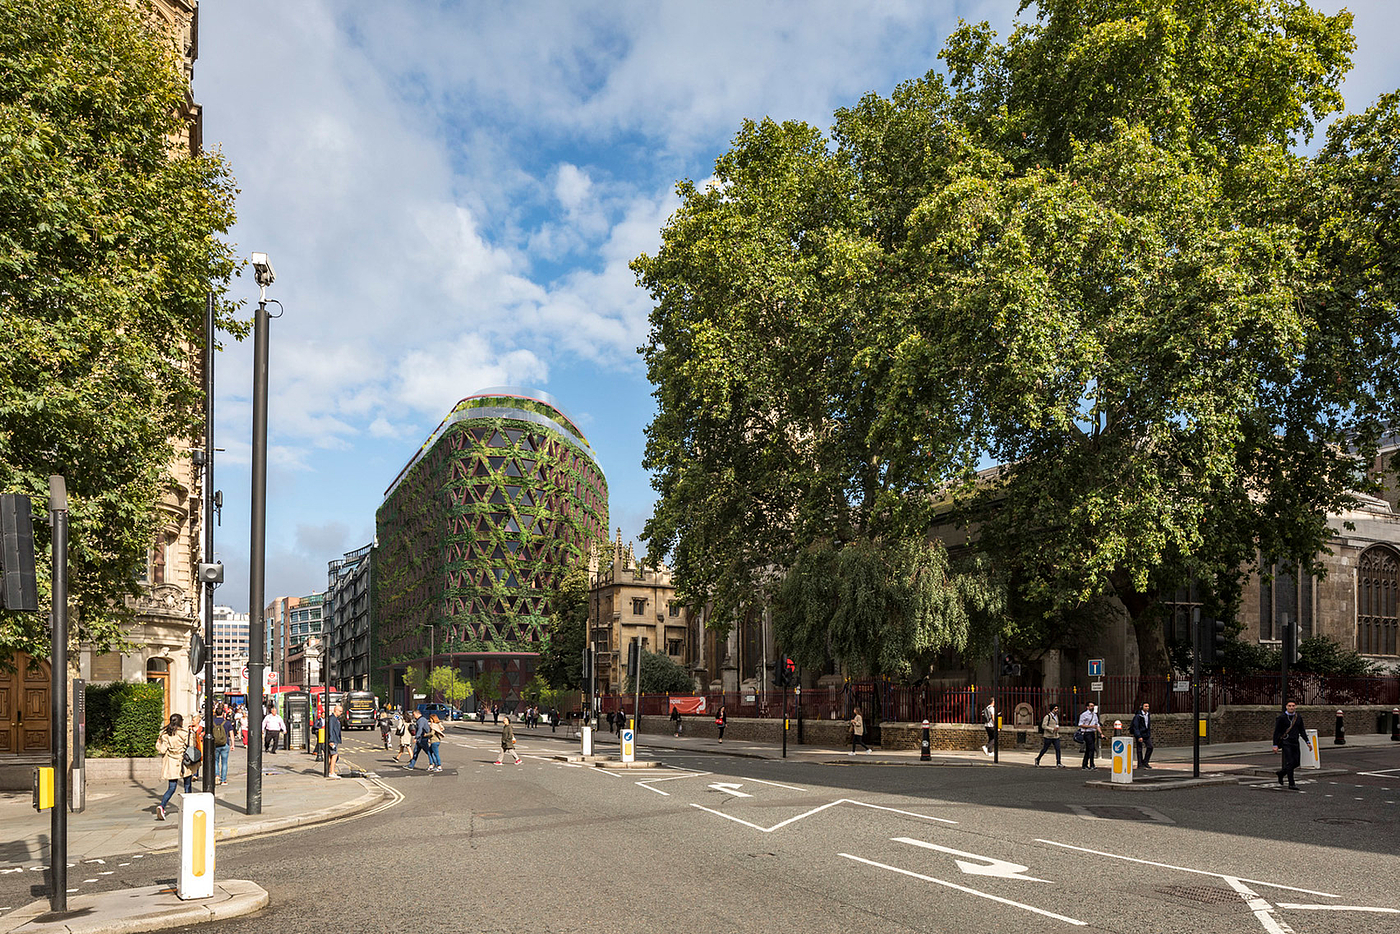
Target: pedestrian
[
  {"x": 317, "y": 725},
  {"x": 333, "y": 739},
  {"x": 989, "y": 723},
  {"x": 1288, "y": 730},
  {"x": 611, "y": 717},
  {"x": 436, "y": 730},
  {"x": 422, "y": 730},
  {"x": 1141, "y": 729},
  {"x": 384, "y": 722},
  {"x": 223, "y": 732},
  {"x": 1089, "y": 732},
  {"x": 858, "y": 732},
  {"x": 554, "y": 719},
  {"x": 496, "y": 713},
  {"x": 507, "y": 742},
  {"x": 403, "y": 732},
  {"x": 243, "y": 724},
  {"x": 722, "y": 721},
  {"x": 1050, "y": 735},
  {"x": 272, "y": 725},
  {"x": 676, "y": 719},
  {"x": 171, "y": 744}
]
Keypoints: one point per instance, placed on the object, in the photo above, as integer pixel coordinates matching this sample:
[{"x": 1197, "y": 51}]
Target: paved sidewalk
[
  {"x": 1166, "y": 758},
  {"x": 120, "y": 815}
]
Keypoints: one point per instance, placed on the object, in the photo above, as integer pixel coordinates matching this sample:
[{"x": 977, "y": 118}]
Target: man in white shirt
[
  {"x": 1091, "y": 730},
  {"x": 272, "y": 727}
]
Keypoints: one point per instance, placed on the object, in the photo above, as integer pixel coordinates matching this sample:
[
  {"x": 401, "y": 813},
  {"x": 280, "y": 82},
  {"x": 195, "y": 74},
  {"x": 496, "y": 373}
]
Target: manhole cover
[
  {"x": 1342, "y": 821},
  {"x": 1207, "y": 894},
  {"x": 1120, "y": 812}
]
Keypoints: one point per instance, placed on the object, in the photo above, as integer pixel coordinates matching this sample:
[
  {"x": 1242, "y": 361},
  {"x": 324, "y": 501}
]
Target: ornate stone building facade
[{"x": 627, "y": 601}]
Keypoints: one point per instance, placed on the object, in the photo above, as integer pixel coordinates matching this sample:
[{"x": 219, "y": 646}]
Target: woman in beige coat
[{"x": 171, "y": 744}]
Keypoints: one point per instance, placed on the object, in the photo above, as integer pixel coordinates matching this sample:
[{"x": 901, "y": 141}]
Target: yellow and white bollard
[
  {"x": 1122, "y": 760},
  {"x": 629, "y": 750},
  {"x": 1312, "y": 755},
  {"x": 196, "y": 846}
]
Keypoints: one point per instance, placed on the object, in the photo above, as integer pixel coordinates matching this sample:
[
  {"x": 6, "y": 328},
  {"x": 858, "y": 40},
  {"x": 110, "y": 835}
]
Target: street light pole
[
  {"x": 257, "y": 545},
  {"x": 58, "y": 697},
  {"x": 208, "y": 503}
]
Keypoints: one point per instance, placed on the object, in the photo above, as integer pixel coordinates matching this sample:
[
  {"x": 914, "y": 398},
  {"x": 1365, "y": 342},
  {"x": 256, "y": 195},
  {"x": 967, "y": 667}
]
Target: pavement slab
[{"x": 151, "y": 908}]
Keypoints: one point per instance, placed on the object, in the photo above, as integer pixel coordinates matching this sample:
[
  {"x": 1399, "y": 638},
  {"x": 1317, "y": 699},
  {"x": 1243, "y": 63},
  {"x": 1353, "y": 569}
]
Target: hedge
[{"x": 123, "y": 719}]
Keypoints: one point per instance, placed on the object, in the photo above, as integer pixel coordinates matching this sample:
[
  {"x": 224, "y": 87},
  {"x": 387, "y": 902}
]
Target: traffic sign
[
  {"x": 1096, "y": 668},
  {"x": 1181, "y": 687},
  {"x": 1096, "y": 686}
]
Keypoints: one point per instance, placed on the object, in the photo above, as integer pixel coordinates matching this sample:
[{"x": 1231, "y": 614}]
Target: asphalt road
[{"x": 715, "y": 843}]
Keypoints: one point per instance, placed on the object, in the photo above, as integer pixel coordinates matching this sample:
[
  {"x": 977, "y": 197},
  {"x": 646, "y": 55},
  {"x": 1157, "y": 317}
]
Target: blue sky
[{"x": 451, "y": 193}]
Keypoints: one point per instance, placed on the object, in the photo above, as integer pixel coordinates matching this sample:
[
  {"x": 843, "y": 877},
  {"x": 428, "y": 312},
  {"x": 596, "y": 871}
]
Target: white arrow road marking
[
  {"x": 16, "y": 869},
  {"x": 648, "y": 782},
  {"x": 818, "y": 810},
  {"x": 1383, "y": 911},
  {"x": 1263, "y": 911},
  {"x": 996, "y": 867},
  {"x": 963, "y": 888},
  {"x": 731, "y": 788},
  {"x": 1199, "y": 872}
]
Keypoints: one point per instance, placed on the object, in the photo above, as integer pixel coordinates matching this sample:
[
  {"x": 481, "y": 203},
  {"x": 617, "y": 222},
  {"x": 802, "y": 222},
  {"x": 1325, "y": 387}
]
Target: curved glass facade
[{"x": 503, "y": 497}]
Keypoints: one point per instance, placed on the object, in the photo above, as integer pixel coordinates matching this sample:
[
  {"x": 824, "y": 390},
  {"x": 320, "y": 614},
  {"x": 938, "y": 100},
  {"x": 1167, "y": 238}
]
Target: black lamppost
[{"x": 257, "y": 548}]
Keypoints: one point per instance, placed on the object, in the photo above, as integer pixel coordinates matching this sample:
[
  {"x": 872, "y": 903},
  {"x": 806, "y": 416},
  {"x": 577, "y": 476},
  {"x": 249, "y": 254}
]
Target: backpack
[{"x": 220, "y": 734}]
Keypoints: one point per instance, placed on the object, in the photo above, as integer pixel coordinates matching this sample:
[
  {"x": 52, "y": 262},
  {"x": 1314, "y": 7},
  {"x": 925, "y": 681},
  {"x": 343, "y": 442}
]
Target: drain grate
[
  {"x": 1120, "y": 812},
  {"x": 1207, "y": 894}
]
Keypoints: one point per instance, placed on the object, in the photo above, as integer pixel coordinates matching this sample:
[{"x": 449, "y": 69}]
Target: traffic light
[
  {"x": 587, "y": 666},
  {"x": 1290, "y": 642},
  {"x": 1211, "y": 640},
  {"x": 785, "y": 671},
  {"x": 18, "y": 587},
  {"x": 634, "y": 659},
  {"x": 1009, "y": 666}
]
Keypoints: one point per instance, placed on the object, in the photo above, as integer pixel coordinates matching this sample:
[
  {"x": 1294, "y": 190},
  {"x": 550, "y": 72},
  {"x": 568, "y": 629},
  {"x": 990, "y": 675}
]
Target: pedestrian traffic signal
[
  {"x": 1211, "y": 640},
  {"x": 1290, "y": 642},
  {"x": 785, "y": 671},
  {"x": 1009, "y": 666}
]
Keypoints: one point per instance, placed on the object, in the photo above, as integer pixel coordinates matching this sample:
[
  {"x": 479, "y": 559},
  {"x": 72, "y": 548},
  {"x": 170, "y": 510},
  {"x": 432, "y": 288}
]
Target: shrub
[{"x": 123, "y": 719}]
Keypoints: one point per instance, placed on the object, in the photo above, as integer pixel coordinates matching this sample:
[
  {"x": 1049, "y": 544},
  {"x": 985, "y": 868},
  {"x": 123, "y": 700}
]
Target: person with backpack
[
  {"x": 989, "y": 723},
  {"x": 222, "y": 734},
  {"x": 384, "y": 723},
  {"x": 1050, "y": 735},
  {"x": 177, "y": 746},
  {"x": 422, "y": 736},
  {"x": 404, "y": 733}
]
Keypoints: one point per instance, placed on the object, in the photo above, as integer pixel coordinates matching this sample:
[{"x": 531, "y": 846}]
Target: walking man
[
  {"x": 507, "y": 742},
  {"x": 1288, "y": 730},
  {"x": 1142, "y": 735},
  {"x": 989, "y": 723},
  {"x": 1050, "y": 735},
  {"x": 422, "y": 737},
  {"x": 333, "y": 737},
  {"x": 1091, "y": 730},
  {"x": 273, "y": 725}
]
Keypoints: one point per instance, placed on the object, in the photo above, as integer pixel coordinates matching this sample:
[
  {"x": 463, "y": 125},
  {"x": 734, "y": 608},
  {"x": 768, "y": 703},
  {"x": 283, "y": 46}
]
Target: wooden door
[{"x": 24, "y": 707}]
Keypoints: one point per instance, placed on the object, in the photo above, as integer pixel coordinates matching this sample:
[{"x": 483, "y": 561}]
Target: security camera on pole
[{"x": 257, "y": 550}]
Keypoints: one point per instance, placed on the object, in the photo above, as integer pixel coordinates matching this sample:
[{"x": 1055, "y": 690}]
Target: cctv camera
[{"x": 262, "y": 270}]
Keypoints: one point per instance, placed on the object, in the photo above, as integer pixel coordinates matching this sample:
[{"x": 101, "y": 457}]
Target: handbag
[
  {"x": 1079, "y": 735},
  {"x": 192, "y": 756}
]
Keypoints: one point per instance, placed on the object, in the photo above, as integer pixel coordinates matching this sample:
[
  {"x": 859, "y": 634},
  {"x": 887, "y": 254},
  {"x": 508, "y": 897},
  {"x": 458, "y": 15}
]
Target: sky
[{"x": 450, "y": 194}]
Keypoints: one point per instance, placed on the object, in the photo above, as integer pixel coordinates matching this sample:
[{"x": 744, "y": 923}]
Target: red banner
[{"x": 688, "y": 705}]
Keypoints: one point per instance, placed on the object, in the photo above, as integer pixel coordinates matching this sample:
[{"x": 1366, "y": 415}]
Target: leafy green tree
[
  {"x": 446, "y": 682},
  {"x": 1324, "y": 656},
  {"x": 1090, "y": 256},
  {"x": 662, "y": 675},
  {"x": 561, "y": 661},
  {"x": 109, "y": 243},
  {"x": 487, "y": 690}
]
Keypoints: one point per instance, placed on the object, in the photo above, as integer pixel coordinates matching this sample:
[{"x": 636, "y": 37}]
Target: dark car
[{"x": 444, "y": 712}]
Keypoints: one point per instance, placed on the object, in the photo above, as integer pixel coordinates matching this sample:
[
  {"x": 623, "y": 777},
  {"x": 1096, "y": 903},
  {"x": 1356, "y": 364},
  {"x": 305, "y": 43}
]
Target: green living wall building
[{"x": 504, "y": 496}]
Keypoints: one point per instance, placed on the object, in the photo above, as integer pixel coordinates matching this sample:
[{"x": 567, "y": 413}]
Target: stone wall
[{"x": 1228, "y": 725}]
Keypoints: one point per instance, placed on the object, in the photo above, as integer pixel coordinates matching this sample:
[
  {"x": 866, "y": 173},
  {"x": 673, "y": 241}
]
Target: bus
[{"x": 360, "y": 710}]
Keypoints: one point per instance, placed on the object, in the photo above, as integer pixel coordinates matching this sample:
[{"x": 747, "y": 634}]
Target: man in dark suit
[
  {"x": 1288, "y": 730},
  {"x": 1142, "y": 734}
]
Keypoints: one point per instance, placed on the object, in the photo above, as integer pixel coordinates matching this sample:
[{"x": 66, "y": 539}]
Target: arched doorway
[
  {"x": 24, "y": 706},
  {"x": 1378, "y": 593},
  {"x": 158, "y": 672}
]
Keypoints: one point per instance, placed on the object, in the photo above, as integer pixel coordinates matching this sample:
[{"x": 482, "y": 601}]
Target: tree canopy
[
  {"x": 1079, "y": 307},
  {"x": 109, "y": 244},
  {"x": 561, "y": 660},
  {"x": 661, "y": 675}
]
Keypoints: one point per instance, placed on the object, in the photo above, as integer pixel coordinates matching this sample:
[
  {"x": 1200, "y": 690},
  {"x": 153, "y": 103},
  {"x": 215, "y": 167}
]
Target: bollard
[
  {"x": 629, "y": 753},
  {"x": 924, "y": 745},
  {"x": 1117, "y": 727},
  {"x": 587, "y": 740},
  {"x": 196, "y": 846},
  {"x": 1339, "y": 735},
  {"x": 1122, "y": 747},
  {"x": 1395, "y": 725},
  {"x": 1312, "y": 753}
]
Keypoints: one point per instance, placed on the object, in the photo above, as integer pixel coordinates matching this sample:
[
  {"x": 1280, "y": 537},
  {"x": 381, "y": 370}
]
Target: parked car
[{"x": 443, "y": 711}]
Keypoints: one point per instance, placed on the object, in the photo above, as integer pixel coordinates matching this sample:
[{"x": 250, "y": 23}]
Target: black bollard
[
  {"x": 1339, "y": 736},
  {"x": 924, "y": 745}
]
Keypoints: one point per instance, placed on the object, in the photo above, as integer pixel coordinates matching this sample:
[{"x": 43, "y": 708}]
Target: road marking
[
  {"x": 1199, "y": 872},
  {"x": 1263, "y": 911},
  {"x": 963, "y": 888},
  {"x": 1000, "y": 868},
  {"x": 774, "y": 784},
  {"x": 818, "y": 810},
  {"x": 648, "y": 782},
  {"x": 16, "y": 869},
  {"x": 1295, "y": 905},
  {"x": 1381, "y": 773},
  {"x": 731, "y": 788}
]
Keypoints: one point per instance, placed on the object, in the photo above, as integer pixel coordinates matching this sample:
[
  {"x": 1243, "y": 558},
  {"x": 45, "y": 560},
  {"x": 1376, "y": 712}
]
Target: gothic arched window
[{"x": 1378, "y": 579}]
